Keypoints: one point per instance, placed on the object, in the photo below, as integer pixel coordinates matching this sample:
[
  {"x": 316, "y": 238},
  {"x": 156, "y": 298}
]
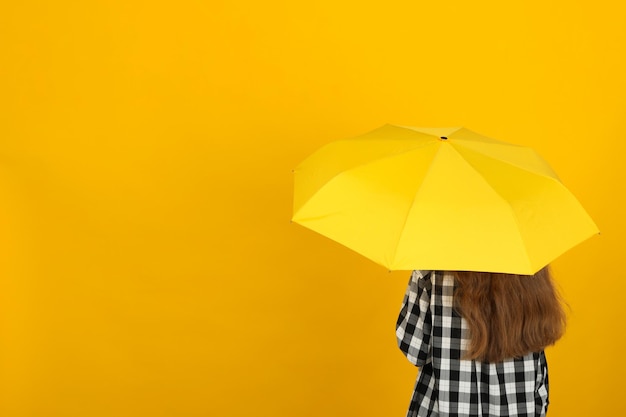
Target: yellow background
[{"x": 148, "y": 264}]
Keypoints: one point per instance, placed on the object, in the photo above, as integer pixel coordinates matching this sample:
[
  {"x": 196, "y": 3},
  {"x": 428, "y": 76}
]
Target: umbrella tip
[{"x": 444, "y": 138}]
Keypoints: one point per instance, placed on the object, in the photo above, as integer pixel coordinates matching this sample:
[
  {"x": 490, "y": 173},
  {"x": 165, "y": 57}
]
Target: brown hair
[{"x": 508, "y": 315}]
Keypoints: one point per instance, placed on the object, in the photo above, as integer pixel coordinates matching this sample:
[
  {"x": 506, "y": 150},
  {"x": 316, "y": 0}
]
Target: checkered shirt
[{"x": 433, "y": 336}]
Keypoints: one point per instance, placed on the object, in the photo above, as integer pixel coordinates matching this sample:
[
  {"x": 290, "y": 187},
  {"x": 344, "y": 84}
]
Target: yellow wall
[{"x": 148, "y": 264}]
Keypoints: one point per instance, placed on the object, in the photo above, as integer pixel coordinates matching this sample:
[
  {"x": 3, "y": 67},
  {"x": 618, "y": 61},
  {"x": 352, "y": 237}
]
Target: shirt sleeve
[
  {"x": 542, "y": 387},
  {"x": 413, "y": 328}
]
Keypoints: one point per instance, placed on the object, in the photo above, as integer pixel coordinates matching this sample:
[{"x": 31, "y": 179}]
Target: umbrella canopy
[{"x": 439, "y": 199}]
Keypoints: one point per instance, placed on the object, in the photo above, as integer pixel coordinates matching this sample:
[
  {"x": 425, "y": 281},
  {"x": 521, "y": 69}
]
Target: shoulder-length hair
[{"x": 508, "y": 315}]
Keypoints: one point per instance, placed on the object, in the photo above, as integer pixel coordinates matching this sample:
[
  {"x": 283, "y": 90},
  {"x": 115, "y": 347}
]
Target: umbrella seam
[
  {"x": 508, "y": 203},
  {"x": 406, "y": 217},
  {"x": 486, "y": 155},
  {"x": 434, "y": 142}
]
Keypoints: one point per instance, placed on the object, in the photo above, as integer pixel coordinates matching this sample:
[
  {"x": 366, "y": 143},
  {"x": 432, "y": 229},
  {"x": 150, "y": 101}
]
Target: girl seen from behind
[{"x": 479, "y": 341}]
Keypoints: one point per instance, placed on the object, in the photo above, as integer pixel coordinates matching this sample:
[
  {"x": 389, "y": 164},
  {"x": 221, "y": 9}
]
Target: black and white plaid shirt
[{"x": 433, "y": 337}]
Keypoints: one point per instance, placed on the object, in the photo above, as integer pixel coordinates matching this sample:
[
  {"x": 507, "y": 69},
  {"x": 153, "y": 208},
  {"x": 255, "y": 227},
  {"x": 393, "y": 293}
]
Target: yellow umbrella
[{"x": 439, "y": 199}]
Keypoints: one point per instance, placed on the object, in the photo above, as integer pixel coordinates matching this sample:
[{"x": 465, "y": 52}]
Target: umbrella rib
[
  {"x": 369, "y": 162},
  {"x": 506, "y": 201},
  {"x": 516, "y": 220},
  {"x": 511, "y": 163},
  {"x": 406, "y": 217}
]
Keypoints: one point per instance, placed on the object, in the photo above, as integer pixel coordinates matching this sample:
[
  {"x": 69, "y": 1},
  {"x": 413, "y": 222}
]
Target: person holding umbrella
[
  {"x": 478, "y": 221},
  {"x": 478, "y": 339}
]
